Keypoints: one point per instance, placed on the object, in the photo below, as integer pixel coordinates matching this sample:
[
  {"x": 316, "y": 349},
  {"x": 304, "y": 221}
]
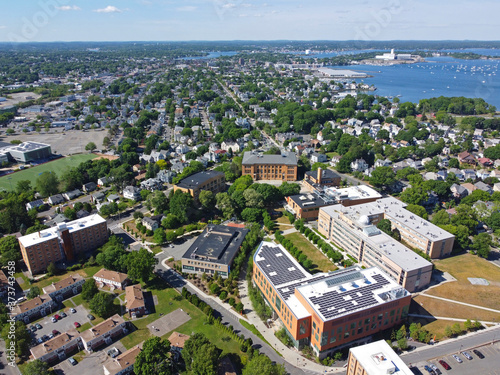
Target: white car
[
  {"x": 457, "y": 358},
  {"x": 72, "y": 310},
  {"x": 466, "y": 355},
  {"x": 54, "y": 320}
]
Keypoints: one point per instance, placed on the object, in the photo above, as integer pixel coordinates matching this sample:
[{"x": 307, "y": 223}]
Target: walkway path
[
  {"x": 460, "y": 303},
  {"x": 445, "y": 318}
]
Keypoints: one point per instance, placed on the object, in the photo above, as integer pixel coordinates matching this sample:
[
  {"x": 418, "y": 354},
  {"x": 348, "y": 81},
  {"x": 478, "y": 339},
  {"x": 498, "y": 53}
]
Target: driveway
[
  {"x": 178, "y": 249},
  {"x": 63, "y": 324}
]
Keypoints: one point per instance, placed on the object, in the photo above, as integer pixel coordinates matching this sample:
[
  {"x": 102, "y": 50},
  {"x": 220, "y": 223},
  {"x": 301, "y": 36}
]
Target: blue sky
[{"x": 135, "y": 20}]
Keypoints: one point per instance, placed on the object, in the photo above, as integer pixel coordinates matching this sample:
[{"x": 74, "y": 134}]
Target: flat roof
[
  {"x": 51, "y": 233},
  {"x": 193, "y": 181},
  {"x": 250, "y": 157},
  {"x": 404, "y": 257},
  {"x": 26, "y": 146},
  {"x": 310, "y": 200},
  {"x": 331, "y": 294},
  {"x": 353, "y": 193},
  {"x": 217, "y": 244},
  {"x": 378, "y": 358},
  {"x": 341, "y": 72}
]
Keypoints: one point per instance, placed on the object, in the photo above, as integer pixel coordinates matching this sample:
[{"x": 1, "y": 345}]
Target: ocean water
[{"x": 438, "y": 76}]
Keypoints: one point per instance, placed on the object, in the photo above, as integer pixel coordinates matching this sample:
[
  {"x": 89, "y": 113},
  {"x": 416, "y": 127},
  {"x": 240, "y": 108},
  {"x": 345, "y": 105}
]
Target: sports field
[{"x": 31, "y": 174}]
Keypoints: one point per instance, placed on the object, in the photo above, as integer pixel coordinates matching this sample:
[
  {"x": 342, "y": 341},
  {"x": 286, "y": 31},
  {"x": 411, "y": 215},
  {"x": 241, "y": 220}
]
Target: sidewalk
[{"x": 291, "y": 355}]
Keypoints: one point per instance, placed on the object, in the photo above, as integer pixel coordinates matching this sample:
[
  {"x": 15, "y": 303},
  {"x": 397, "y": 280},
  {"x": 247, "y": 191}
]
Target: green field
[{"x": 32, "y": 173}]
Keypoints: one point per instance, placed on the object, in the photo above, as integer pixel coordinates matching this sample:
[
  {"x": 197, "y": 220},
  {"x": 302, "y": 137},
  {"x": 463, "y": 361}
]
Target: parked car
[
  {"x": 54, "y": 320},
  {"x": 91, "y": 317},
  {"x": 33, "y": 328},
  {"x": 57, "y": 316},
  {"x": 429, "y": 370},
  {"x": 72, "y": 310},
  {"x": 55, "y": 332},
  {"x": 444, "y": 364},
  {"x": 63, "y": 315},
  {"x": 466, "y": 355},
  {"x": 38, "y": 326},
  {"x": 77, "y": 325},
  {"x": 72, "y": 361},
  {"x": 113, "y": 352},
  {"x": 457, "y": 358},
  {"x": 478, "y": 353},
  {"x": 51, "y": 336},
  {"x": 39, "y": 340},
  {"x": 435, "y": 368},
  {"x": 45, "y": 338}
]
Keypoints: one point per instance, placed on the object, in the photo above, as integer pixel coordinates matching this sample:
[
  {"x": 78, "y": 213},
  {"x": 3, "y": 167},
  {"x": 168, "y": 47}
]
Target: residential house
[
  {"x": 484, "y": 187},
  {"x": 382, "y": 163},
  {"x": 316, "y": 157},
  {"x": 151, "y": 184},
  {"x": 485, "y": 162},
  {"x": 58, "y": 348},
  {"x": 88, "y": 187},
  {"x": 113, "y": 198},
  {"x": 469, "y": 173},
  {"x": 335, "y": 159},
  {"x": 469, "y": 187},
  {"x": 97, "y": 197},
  {"x": 177, "y": 341},
  {"x": 34, "y": 204},
  {"x": 34, "y": 308},
  {"x": 112, "y": 279},
  {"x": 104, "y": 180},
  {"x": 458, "y": 191},
  {"x": 359, "y": 165},
  {"x": 104, "y": 333},
  {"x": 56, "y": 199},
  {"x": 483, "y": 174},
  {"x": 68, "y": 287},
  {"x": 458, "y": 173},
  {"x": 149, "y": 223},
  {"x": 70, "y": 195},
  {"x": 496, "y": 186},
  {"x": 166, "y": 176},
  {"x": 466, "y": 158},
  {"x": 132, "y": 192},
  {"x": 134, "y": 298},
  {"x": 235, "y": 147},
  {"x": 122, "y": 364}
]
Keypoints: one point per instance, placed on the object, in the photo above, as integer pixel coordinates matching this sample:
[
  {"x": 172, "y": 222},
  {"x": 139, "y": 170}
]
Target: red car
[
  {"x": 77, "y": 325},
  {"x": 55, "y": 332},
  {"x": 57, "y": 316},
  {"x": 444, "y": 364}
]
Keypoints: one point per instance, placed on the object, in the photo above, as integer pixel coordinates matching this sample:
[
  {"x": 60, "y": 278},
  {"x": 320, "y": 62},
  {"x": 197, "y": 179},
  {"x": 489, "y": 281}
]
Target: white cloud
[
  {"x": 108, "y": 9},
  {"x": 188, "y": 8},
  {"x": 3, "y": 27},
  {"x": 66, "y": 8},
  {"x": 229, "y": 6}
]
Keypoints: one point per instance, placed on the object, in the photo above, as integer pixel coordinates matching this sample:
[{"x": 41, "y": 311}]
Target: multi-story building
[
  {"x": 63, "y": 242},
  {"x": 214, "y": 250},
  {"x": 58, "y": 348},
  {"x": 207, "y": 180},
  {"x": 352, "y": 229},
  {"x": 321, "y": 178},
  {"x": 111, "y": 279},
  {"x": 66, "y": 288},
  {"x": 34, "y": 308},
  {"x": 136, "y": 306},
  {"x": 327, "y": 310},
  {"x": 306, "y": 206},
  {"x": 270, "y": 167},
  {"x": 123, "y": 364},
  {"x": 104, "y": 333},
  {"x": 375, "y": 358},
  {"x": 353, "y": 195}
]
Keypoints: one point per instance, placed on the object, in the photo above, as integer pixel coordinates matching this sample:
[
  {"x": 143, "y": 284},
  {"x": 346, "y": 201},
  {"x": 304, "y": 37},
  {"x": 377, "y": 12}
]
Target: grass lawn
[
  {"x": 467, "y": 265},
  {"x": 31, "y": 174},
  {"x": 322, "y": 263},
  {"x": 254, "y": 330},
  {"x": 156, "y": 249},
  {"x": 436, "y": 327},
  {"x": 85, "y": 272},
  {"x": 435, "y": 307}
]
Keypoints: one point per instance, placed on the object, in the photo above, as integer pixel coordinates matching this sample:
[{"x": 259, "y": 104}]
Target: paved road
[
  {"x": 5, "y": 369},
  {"x": 227, "y": 318}
]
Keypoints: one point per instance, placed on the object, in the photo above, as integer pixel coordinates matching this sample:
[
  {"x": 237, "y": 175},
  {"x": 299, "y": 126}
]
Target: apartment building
[
  {"x": 352, "y": 229},
  {"x": 327, "y": 311},
  {"x": 270, "y": 167},
  {"x": 66, "y": 288},
  {"x": 123, "y": 364},
  {"x": 34, "y": 308},
  {"x": 63, "y": 242},
  {"x": 375, "y": 358},
  {"x": 104, "y": 333},
  {"x": 58, "y": 348},
  {"x": 214, "y": 250},
  {"x": 111, "y": 279},
  {"x": 134, "y": 298},
  {"x": 207, "y": 180}
]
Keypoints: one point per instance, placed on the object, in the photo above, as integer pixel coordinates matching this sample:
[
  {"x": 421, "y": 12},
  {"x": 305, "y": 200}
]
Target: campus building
[
  {"x": 352, "y": 229},
  {"x": 306, "y": 206},
  {"x": 63, "y": 242},
  {"x": 327, "y": 310},
  {"x": 26, "y": 152},
  {"x": 207, "y": 180},
  {"x": 214, "y": 250},
  {"x": 376, "y": 358},
  {"x": 321, "y": 178},
  {"x": 415, "y": 231},
  {"x": 270, "y": 167}
]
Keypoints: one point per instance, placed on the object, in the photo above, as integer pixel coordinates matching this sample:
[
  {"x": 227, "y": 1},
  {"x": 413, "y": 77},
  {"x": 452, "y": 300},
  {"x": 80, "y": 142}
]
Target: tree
[
  {"x": 262, "y": 365},
  {"x": 288, "y": 189},
  {"x": 253, "y": 198},
  {"x": 482, "y": 244},
  {"x": 33, "y": 292},
  {"x": 141, "y": 265},
  {"x": 36, "y": 367},
  {"x": 154, "y": 358},
  {"x": 157, "y": 201},
  {"x": 10, "y": 250},
  {"x": 113, "y": 255},
  {"x": 90, "y": 146},
  {"x": 382, "y": 177},
  {"x": 403, "y": 343},
  {"x": 159, "y": 236},
  {"x": 441, "y": 218},
  {"x": 102, "y": 304},
  {"x": 47, "y": 184},
  {"x": 207, "y": 199},
  {"x": 89, "y": 289},
  {"x": 385, "y": 226},
  {"x": 252, "y": 214},
  {"x": 200, "y": 355},
  {"x": 417, "y": 210},
  {"x": 180, "y": 202},
  {"x": 18, "y": 338},
  {"x": 225, "y": 204},
  {"x": 453, "y": 163},
  {"x": 23, "y": 186}
]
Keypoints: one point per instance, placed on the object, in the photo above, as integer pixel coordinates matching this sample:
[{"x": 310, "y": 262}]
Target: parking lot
[
  {"x": 63, "y": 324},
  {"x": 490, "y": 365},
  {"x": 178, "y": 249}
]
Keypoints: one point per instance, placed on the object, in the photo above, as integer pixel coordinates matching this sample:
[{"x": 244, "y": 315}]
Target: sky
[{"x": 183, "y": 20}]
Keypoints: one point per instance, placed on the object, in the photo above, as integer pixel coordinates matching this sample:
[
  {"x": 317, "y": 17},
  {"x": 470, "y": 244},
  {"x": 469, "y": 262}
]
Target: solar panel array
[
  {"x": 344, "y": 278},
  {"x": 278, "y": 269},
  {"x": 331, "y": 302}
]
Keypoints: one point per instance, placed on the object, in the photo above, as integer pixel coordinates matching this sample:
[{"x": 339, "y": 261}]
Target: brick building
[
  {"x": 66, "y": 288},
  {"x": 134, "y": 297},
  {"x": 270, "y": 167},
  {"x": 207, "y": 180}
]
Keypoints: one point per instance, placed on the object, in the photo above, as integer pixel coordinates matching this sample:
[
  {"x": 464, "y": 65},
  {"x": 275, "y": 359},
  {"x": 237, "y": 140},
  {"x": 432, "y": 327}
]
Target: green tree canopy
[
  {"x": 382, "y": 177},
  {"x": 36, "y": 367},
  {"x": 141, "y": 265},
  {"x": 47, "y": 184},
  {"x": 102, "y": 304},
  {"x": 89, "y": 289},
  {"x": 154, "y": 358}
]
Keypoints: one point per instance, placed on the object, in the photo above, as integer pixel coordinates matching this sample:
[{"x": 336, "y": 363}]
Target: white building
[{"x": 111, "y": 279}]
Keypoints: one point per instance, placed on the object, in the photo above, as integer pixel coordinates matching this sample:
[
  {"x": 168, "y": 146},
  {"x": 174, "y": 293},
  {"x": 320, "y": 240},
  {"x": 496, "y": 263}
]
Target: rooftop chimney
[{"x": 320, "y": 172}]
